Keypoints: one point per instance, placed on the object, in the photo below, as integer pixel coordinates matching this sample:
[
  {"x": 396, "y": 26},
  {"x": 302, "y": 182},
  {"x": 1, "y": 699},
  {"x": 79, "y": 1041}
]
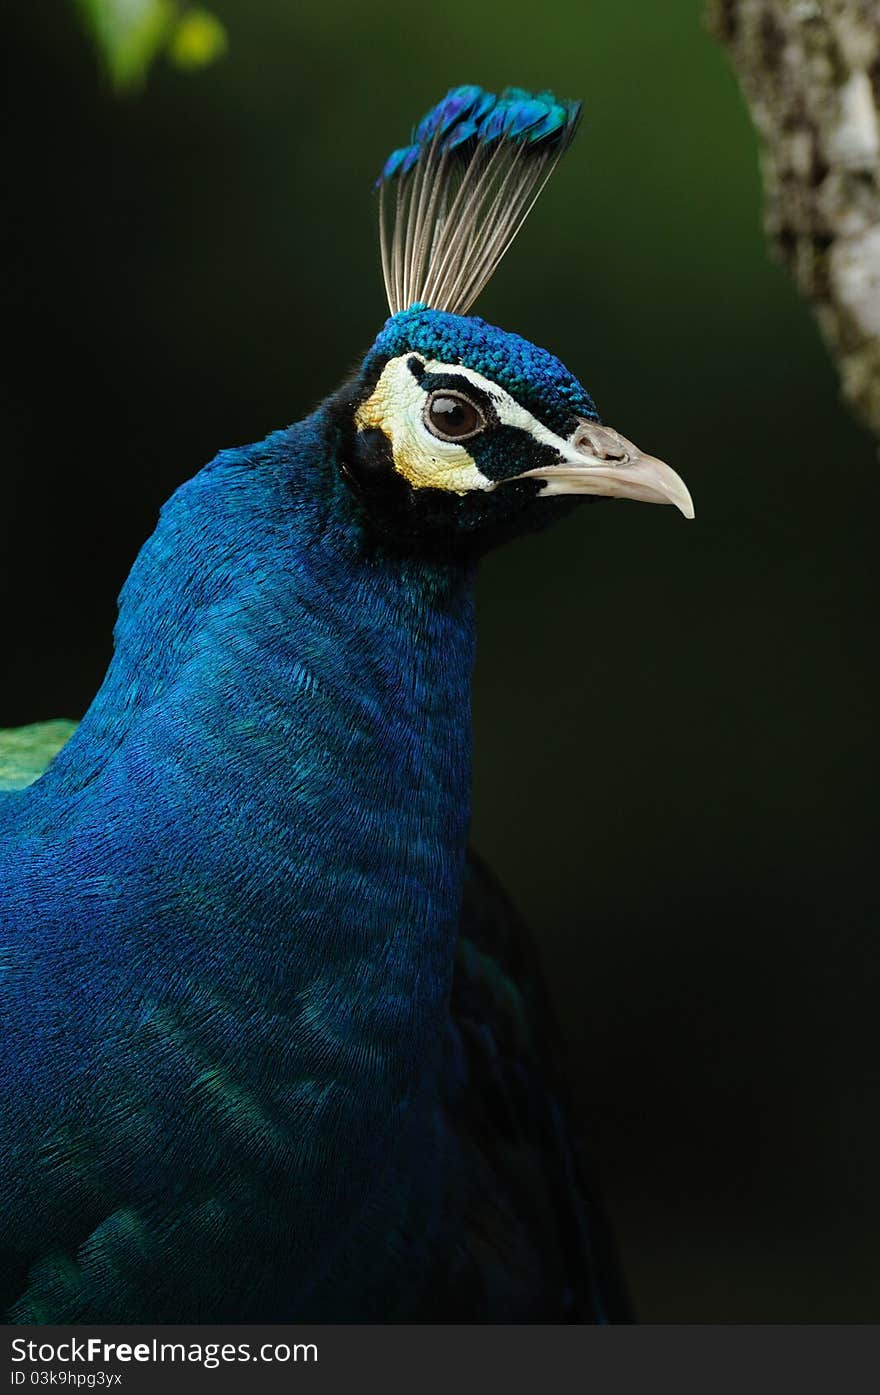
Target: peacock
[{"x": 275, "y": 1045}]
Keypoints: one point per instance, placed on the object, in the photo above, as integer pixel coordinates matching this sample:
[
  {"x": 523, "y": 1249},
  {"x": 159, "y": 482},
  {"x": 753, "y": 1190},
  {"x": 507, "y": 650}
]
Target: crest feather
[{"x": 452, "y": 201}]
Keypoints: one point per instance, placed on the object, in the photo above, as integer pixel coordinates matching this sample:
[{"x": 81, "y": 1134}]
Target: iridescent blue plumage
[{"x": 205, "y": 902}]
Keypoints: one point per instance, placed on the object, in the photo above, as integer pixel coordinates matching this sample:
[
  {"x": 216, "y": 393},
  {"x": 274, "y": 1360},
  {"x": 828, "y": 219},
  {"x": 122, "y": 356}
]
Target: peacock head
[{"x": 455, "y": 434}]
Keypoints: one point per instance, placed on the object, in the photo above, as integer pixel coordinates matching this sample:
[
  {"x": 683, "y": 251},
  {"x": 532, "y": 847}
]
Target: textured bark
[{"x": 810, "y": 71}]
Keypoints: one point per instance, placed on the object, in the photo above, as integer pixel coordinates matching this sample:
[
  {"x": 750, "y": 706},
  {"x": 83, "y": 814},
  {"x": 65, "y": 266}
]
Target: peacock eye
[{"x": 452, "y": 416}]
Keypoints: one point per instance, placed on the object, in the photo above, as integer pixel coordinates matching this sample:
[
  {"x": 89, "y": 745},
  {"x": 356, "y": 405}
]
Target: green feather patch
[{"x": 25, "y": 752}]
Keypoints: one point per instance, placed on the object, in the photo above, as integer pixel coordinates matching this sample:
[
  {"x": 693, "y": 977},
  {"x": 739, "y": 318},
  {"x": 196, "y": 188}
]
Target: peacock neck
[
  {"x": 287, "y": 720},
  {"x": 268, "y": 808}
]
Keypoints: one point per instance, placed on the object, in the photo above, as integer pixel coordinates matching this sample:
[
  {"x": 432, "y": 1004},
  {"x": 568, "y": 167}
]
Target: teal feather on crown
[{"x": 468, "y": 113}]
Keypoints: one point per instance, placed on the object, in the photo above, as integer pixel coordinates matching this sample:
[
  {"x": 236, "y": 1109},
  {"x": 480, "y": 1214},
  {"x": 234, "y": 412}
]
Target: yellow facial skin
[{"x": 395, "y": 408}]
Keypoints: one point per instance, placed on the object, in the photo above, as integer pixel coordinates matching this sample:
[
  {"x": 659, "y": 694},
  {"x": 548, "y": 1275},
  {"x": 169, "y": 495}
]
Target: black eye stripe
[{"x": 416, "y": 367}]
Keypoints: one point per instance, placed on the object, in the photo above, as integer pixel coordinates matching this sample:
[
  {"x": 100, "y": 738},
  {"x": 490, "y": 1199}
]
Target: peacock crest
[{"x": 452, "y": 201}]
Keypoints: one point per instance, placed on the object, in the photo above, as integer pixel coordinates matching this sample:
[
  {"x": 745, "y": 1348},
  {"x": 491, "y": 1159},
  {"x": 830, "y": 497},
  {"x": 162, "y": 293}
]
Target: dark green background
[{"x": 674, "y": 722}]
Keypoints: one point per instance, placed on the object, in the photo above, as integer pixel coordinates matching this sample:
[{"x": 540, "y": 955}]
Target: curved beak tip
[{"x": 683, "y": 501}]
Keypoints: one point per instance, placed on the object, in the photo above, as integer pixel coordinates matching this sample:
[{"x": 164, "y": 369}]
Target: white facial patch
[{"x": 396, "y": 408}]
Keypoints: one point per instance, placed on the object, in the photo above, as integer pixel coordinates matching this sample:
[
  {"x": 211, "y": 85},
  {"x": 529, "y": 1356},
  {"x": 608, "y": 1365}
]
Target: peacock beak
[{"x": 598, "y": 460}]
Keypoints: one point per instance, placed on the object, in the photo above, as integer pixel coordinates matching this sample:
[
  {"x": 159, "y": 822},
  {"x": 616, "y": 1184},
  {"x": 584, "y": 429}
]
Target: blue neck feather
[{"x": 275, "y": 768}]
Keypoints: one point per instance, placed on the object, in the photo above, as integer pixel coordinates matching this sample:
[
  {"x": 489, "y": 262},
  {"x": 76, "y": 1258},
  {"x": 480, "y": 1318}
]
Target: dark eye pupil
[{"x": 452, "y": 416}]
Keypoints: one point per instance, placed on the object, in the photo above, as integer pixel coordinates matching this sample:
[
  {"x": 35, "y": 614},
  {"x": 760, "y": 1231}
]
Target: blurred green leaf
[
  {"x": 130, "y": 35},
  {"x": 198, "y": 39}
]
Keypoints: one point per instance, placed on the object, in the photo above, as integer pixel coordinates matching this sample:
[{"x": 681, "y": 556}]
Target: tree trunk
[{"x": 810, "y": 72}]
